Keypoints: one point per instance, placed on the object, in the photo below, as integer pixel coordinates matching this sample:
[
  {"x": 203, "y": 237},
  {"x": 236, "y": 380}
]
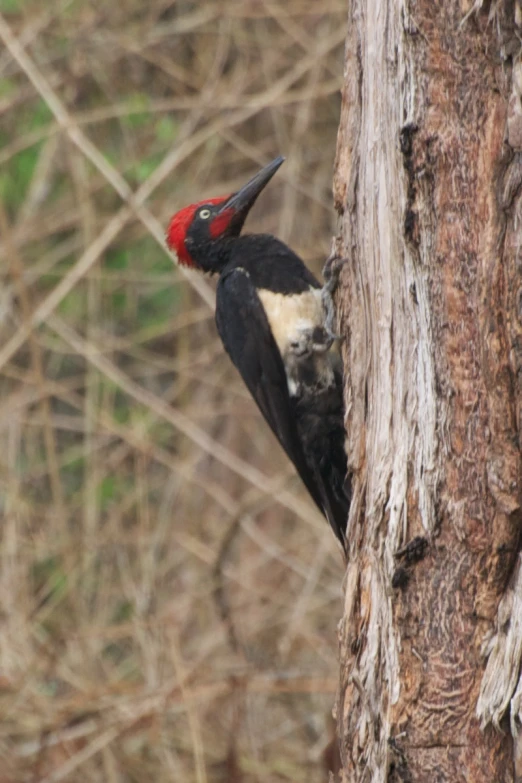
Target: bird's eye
[{"x": 204, "y": 213}]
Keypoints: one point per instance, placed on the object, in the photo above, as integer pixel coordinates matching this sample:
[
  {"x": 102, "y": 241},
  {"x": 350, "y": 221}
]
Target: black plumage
[{"x": 270, "y": 319}]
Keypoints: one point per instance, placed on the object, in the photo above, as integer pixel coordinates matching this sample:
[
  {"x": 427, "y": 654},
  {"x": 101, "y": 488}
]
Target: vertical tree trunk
[{"x": 428, "y": 186}]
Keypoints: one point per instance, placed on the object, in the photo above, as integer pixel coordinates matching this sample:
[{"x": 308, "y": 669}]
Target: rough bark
[{"x": 428, "y": 187}]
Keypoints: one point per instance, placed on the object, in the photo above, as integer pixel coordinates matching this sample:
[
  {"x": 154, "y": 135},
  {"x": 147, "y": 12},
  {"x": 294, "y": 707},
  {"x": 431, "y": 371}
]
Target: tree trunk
[{"x": 428, "y": 187}]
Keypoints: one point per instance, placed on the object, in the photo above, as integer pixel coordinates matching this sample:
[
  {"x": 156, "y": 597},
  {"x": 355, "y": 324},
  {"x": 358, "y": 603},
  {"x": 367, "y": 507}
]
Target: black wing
[
  {"x": 247, "y": 338},
  {"x": 320, "y": 423}
]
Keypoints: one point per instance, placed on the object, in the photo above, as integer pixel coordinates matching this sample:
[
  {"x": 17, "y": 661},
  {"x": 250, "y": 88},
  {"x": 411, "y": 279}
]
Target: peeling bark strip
[{"x": 429, "y": 188}]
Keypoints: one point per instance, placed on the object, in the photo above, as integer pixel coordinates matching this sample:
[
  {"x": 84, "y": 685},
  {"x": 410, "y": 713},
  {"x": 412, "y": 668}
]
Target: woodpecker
[{"x": 273, "y": 322}]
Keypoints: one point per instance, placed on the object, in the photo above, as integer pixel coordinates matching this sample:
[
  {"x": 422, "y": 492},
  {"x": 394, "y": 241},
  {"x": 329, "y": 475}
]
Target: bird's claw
[
  {"x": 332, "y": 270},
  {"x": 331, "y": 274},
  {"x": 317, "y": 340}
]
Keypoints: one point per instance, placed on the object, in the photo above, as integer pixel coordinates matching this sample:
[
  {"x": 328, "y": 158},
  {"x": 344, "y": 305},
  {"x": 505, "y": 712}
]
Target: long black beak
[{"x": 242, "y": 201}]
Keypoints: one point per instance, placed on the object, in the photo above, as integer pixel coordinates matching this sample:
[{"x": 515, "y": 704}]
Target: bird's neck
[{"x": 213, "y": 256}]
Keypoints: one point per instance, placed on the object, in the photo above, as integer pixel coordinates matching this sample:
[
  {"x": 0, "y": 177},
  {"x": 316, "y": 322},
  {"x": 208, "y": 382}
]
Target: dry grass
[{"x": 169, "y": 596}]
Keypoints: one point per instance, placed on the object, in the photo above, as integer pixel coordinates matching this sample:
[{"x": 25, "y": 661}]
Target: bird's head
[{"x": 195, "y": 232}]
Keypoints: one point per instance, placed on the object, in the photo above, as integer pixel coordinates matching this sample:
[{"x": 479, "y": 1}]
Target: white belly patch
[{"x": 291, "y": 315}]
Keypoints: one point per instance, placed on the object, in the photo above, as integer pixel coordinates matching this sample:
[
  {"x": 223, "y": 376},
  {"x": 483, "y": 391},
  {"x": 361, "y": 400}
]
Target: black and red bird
[{"x": 270, "y": 315}]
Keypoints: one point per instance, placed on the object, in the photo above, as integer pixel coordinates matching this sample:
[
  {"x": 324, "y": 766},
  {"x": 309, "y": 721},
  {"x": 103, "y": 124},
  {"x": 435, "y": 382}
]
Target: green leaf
[
  {"x": 117, "y": 258},
  {"x": 139, "y": 112},
  {"x": 106, "y": 491},
  {"x": 16, "y": 177},
  {"x": 123, "y": 612},
  {"x": 166, "y": 129}
]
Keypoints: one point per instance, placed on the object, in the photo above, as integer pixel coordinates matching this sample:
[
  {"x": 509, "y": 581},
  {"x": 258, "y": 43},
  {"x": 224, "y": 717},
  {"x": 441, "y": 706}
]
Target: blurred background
[{"x": 168, "y": 594}]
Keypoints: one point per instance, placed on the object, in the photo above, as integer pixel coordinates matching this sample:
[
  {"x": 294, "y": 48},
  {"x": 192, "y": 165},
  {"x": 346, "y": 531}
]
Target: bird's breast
[
  {"x": 297, "y": 325},
  {"x": 292, "y": 315}
]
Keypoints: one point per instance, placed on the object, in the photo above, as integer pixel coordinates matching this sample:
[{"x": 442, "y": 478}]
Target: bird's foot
[
  {"x": 317, "y": 340},
  {"x": 331, "y": 274},
  {"x": 332, "y": 270}
]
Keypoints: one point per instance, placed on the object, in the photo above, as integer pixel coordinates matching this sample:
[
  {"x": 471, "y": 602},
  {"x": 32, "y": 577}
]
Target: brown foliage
[{"x": 129, "y": 446}]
